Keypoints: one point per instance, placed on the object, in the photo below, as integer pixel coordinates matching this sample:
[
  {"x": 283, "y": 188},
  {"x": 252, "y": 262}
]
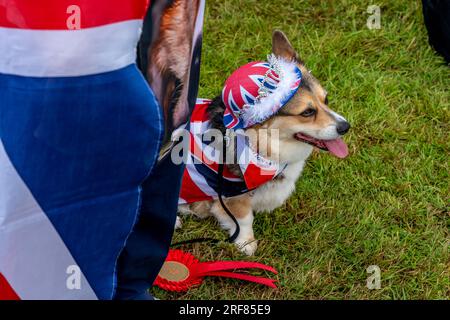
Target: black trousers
[
  {"x": 148, "y": 245},
  {"x": 436, "y": 15}
]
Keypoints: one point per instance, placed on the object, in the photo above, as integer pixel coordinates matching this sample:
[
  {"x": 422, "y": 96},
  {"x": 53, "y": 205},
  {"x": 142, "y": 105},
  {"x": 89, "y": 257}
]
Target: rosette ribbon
[{"x": 182, "y": 270}]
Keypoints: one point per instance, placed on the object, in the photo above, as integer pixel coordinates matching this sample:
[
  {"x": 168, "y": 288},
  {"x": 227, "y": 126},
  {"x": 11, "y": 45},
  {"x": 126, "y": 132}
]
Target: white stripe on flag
[
  {"x": 68, "y": 53},
  {"x": 199, "y": 179},
  {"x": 33, "y": 258}
]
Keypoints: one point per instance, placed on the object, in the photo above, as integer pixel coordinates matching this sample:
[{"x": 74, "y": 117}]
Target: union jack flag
[{"x": 63, "y": 209}]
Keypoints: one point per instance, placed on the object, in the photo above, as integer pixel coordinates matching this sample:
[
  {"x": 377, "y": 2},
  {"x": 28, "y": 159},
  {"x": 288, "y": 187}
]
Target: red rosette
[
  {"x": 177, "y": 272},
  {"x": 182, "y": 271}
]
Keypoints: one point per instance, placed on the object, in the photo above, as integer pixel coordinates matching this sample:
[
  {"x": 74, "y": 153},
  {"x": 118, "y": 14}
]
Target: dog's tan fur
[{"x": 288, "y": 121}]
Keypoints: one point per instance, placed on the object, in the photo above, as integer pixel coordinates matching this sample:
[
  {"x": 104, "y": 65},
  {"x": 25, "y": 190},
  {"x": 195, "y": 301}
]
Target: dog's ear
[{"x": 281, "y": 46}]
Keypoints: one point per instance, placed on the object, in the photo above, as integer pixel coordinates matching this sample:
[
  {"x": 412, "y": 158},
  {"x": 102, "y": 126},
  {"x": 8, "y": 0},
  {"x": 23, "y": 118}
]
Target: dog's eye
[{"x": 308, "y": 112}]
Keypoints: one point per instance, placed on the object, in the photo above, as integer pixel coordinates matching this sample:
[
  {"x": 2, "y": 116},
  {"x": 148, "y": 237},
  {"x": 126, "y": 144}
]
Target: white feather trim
[{"x": 265, "y": 107}]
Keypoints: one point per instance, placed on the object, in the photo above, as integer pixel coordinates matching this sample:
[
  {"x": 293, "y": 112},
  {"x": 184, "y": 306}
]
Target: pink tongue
[{"x": 337, "y": 147}]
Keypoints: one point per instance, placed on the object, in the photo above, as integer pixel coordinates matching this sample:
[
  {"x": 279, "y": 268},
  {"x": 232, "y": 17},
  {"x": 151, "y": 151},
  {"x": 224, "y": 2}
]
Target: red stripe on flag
[
  {"x": 190, "y": 192},
  {"x": 255, "y": 176},
  {"x": 55, "y": 14},
  {"x": 199, "y": 114},
  {"x": 244, "y": 73},
  {"x": 6, "y": 291}
]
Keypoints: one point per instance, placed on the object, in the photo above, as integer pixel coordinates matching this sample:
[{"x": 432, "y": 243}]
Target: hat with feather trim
[{"x": 256, "y": 91}]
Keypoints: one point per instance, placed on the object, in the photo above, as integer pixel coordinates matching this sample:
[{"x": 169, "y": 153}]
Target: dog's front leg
[
  {"x": 242, "y": 211},
  {"x": 246, "y": 241}
]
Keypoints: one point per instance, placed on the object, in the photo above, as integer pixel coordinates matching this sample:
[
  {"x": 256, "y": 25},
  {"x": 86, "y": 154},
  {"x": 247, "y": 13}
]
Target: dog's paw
[
  {"x": 247, "y": 246},
  {"x": 178, "y": 223}
]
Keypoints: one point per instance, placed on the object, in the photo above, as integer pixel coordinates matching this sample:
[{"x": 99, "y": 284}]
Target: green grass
[{"x": 387, "y": 204}]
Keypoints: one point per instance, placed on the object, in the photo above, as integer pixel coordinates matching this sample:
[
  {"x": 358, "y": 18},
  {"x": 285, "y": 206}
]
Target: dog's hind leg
[
  {"x": 199, "y": 209},
  {"x": 242, "y": 210}
]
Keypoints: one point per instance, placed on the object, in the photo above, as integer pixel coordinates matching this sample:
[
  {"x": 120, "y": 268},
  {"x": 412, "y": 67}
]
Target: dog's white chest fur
[{"x": 274, "y": 193}]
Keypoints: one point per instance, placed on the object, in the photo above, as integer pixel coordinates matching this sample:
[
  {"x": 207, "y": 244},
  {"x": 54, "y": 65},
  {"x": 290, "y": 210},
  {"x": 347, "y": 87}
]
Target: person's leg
[
  {"x": 147, "y": 246},
  {"x": 73, "y": 155}
]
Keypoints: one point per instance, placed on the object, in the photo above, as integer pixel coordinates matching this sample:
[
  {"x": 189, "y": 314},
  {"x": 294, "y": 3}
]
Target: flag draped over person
[{"x": 79, "y": 131}]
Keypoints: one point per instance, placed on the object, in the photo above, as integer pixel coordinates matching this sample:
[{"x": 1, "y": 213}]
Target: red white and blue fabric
[
  {"x": 38, "y": 32},
  {"x": 75, "y": 220},
  {"x": 256, "y": 91},
  {"x": 200, "y": 178}
]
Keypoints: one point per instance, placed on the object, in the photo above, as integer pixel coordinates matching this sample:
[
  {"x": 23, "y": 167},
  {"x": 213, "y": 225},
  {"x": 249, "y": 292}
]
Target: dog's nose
[{"x": 342, "y": 127}]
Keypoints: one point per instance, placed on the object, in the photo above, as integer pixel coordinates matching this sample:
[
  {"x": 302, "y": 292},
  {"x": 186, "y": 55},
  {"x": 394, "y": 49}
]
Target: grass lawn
[{"x": 387, "y": 204}]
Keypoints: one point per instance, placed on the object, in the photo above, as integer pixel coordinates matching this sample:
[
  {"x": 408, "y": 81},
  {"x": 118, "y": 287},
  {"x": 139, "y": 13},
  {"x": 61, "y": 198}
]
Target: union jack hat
[{"x": 257, "y": 90}]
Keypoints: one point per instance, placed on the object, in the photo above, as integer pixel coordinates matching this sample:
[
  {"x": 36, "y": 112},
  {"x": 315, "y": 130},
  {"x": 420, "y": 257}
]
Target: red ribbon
[{"x": 182, "y": 271}]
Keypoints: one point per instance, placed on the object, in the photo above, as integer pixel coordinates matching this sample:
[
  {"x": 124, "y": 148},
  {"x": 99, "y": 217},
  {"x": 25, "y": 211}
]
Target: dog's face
[{"x": 306, "y": 120}]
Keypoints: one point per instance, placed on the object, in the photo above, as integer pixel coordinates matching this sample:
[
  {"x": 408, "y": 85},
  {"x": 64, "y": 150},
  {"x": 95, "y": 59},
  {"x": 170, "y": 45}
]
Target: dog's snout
[{"x": 342, "y": 127}]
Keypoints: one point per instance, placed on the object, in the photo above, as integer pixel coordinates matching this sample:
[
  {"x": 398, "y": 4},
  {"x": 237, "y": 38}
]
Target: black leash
[
  {"x": 196, "y": 240},
  {"x": 220, "y": 179},
  {"x": 225, "y": 208}
]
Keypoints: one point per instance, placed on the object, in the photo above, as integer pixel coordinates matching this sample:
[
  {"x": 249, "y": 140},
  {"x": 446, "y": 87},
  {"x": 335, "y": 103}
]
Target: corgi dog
[{"x": 304, "y": 122}]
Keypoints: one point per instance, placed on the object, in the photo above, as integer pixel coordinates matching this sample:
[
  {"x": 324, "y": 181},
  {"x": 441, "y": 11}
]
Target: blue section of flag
[
  {"x": 249, "y": 99},
  {"x": 233, "y": 104},
  {"x": 83, "y": 145},
  {"x": 269, "y": 86},
  {"x": 231, "y": 122}
]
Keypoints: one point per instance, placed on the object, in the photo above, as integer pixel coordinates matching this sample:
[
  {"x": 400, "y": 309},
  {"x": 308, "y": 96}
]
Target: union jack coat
[{"x": 200, "y": 178}]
